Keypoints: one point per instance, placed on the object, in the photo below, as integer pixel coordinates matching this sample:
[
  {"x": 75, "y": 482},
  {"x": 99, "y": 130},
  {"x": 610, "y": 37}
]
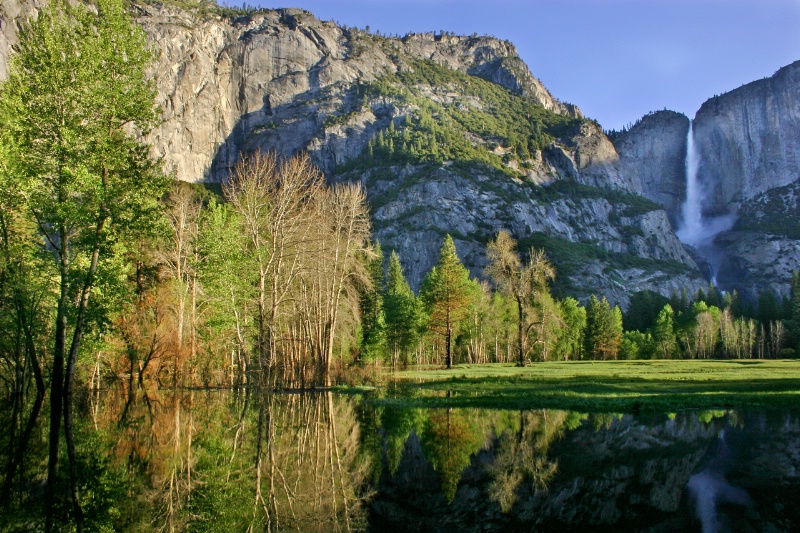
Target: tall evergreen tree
[
  {"x": 643, "y": 310},
  {"x": 603, "y": 329},
  {"x": 792, "y": 324},
  {"x": 373, "y": 327},
  {"x": 447, "y": 294},
  {"x": 402, "y": 311}
]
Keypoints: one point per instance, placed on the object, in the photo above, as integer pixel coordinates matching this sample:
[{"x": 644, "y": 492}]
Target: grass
[{"x": 612, "y": 386}]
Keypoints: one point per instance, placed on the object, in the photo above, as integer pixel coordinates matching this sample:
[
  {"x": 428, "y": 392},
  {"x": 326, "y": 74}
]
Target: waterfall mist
[
  {"x": 696, "y": 230},
  {"x": 709, "y": 489}
]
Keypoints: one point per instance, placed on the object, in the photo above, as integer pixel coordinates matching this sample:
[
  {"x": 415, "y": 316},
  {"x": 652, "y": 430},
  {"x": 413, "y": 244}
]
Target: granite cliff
[
  {"x": 284, "y": 80},
  {"x": 749, "y": 167},
  {"x": 653, "y": 151},
  {"x": 749, "y": 141}
]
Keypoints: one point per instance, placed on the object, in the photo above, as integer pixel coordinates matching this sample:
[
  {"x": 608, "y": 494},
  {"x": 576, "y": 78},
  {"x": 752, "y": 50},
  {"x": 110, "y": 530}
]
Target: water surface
[{"x": 236, "y": 461}]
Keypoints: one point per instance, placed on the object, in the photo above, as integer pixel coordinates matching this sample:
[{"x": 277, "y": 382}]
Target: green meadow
[{"x": 609, "y": 386}]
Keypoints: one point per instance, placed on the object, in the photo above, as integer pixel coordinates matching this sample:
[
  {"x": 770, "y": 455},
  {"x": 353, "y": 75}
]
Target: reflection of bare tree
[
  {"x": 522, "y": 457},
  {"x": 154, "y": 442},
  {"x": 241, "y": 459},
  {"x": 308, "y": 470},
  {"x": 177, "y": 475}
]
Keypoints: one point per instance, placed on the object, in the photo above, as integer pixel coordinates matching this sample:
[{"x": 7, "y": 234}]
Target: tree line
[{"x": 512, "y": 316}]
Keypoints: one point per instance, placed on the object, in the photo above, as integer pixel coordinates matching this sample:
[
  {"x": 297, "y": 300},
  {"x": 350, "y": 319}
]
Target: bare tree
[
  {"x": 183, "y": 211},
  {"x": 273, "y": 199},
  {"x": 524, "y": 283},
  {"x": 339, "y": 269}
]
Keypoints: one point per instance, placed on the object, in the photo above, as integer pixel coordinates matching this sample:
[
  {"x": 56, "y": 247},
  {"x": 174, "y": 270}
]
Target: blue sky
[{"x": 615, "y": 59}]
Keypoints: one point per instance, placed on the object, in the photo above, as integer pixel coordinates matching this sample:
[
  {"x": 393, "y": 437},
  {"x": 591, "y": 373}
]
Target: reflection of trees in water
[
  {"x": 516, "y": 444},
  {"x": 235, "y": 460},
  {"x": 521, "y": 456},
  {"x": 308, "y": 470},
  {"x": 502, "y": 454},
  {"x": 449, "y": 439}
]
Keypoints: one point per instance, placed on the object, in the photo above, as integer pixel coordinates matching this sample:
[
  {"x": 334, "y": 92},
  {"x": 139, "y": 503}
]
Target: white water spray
[
  {"x": 709, "y": 489},
  {"x": 696, "y": 230},
  {"x": 692, "y": 209}
]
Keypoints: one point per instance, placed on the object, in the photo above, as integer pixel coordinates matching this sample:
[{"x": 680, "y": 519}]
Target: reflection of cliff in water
[
  {"x": 249, "y": 460},
  {"x": 619, "y": 473}
]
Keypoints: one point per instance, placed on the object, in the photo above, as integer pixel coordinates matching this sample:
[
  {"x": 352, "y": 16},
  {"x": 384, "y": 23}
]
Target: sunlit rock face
[
  {"x": 748, "y": 167},
  {"x": 273, "y": 79},
  {"x": 749, "y": 139},
  {"x": 12, "y": 14}
]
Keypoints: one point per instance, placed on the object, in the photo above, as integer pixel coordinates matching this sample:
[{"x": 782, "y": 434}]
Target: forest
[{"x": 111, "y": 271}]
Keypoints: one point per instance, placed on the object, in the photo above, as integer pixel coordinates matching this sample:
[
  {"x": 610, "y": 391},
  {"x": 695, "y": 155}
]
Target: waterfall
[
  {"x": 691, "y": 228},
  {"x": 694, "y": 229}
]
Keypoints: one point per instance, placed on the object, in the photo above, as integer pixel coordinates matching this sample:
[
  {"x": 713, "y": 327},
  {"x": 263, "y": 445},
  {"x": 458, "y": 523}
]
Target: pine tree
[
  {"x": 447, "y": 295},
  {"x": 792, "y": 324},
  {"x": 402, "y": 311},
  {"x": 373, "y": 327}
]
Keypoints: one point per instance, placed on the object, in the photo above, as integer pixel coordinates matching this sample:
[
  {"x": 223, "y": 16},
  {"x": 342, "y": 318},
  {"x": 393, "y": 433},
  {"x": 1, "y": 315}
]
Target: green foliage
[
  {"x": 76, "y": 94},
  {"x": 207, "y": 7},
  {"x": 643, "y": 310},
  {"x": 397, "y": 425},
  {"x": 222, "y": 272},
  {"x": 603, "y": 330},
  {"x": 792, "y": 324},
  {"x": 776, "y": 212},
  {"x": 449, "y": 440},
  {"x": 486, "y": 124},
  {"x": 570, "y": 341},
  {"x": 373, "y": 324},
  {"x": 664, "y": 333},
  {"x": 403, "y": 312},
  {"x": 446, "y": 293},
  {"x": 635, "y": 345},
  {"x": 625, "y": 204},
  {"x": 569, "y": 257}
]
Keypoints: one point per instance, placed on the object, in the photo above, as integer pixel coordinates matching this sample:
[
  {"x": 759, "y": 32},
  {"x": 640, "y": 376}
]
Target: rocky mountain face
[
  {"x": 748, "y": 142},
  {"x": 12, "y": 12},
  {"x": 277, "y": 80},
  {"x": 653, "y": 152},
  {"x": 285, "y": 81}
]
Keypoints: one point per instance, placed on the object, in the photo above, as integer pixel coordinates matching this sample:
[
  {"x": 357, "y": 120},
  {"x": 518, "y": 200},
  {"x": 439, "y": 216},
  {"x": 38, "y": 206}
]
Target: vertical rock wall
[{"x": 749, "y": 140}]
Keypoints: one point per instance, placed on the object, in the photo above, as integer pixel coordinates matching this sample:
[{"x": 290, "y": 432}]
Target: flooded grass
[{"x": 609, "y": 386}]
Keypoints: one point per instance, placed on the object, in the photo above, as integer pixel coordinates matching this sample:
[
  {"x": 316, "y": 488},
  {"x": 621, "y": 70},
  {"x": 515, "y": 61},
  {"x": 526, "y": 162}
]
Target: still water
[{"x": 236, "y": 461}]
